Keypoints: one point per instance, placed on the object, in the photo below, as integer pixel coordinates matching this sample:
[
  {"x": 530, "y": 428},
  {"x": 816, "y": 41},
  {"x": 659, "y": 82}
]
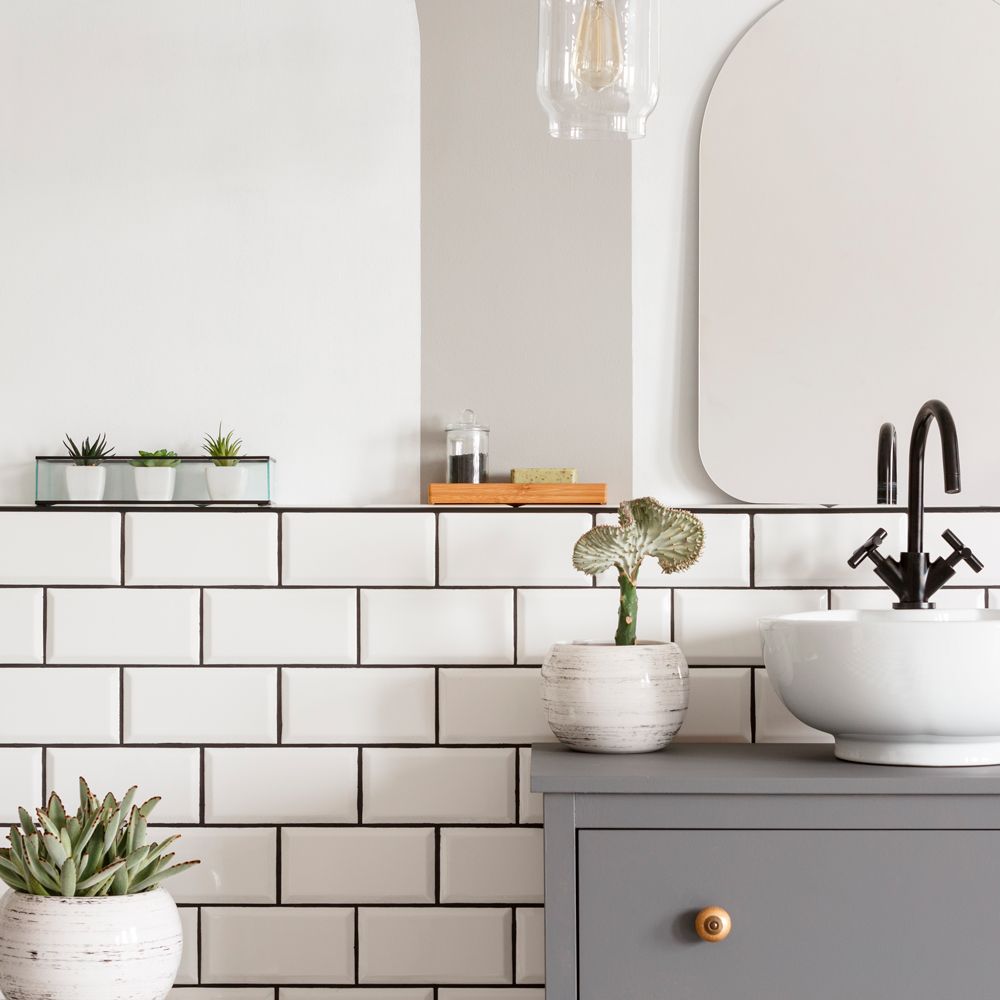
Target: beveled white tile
[
  {"x": 491, "y": 866},
  {"x": 545, "y": 617},
  {"x": 719, "y": 707},
  {"x": 531, "y": 806},
  {"x": 20, "y": 781},
  {"x": 434, "y": 945},
  {"x": 346, "y": 993},
  {"x": 203, "y": 549},
  {"x": 724, "y": 562},
  {"x": 60, "y": 547},
  {"x": 882, "y": 599},
  {"x": 203, "y": 705},
  {"x": 281, "y": 626},
  {"x": 437, "y": 626},
  {"x": 237, "y": 865},
  {"x": 277, "y": 944},
  {"x": 168, "y": 772},
  {"x": 471, "y": 993},
  {"x": 221, "y": 993},
  {"x": 530, "y": 958},
  {"x": 775, "y": 724},
  {"x": 438, "y": 785},
  {"x": 357, "y": 865},
  {"x": 188, "y": 971},
  {"x": 59, "y": 705},
  {"x": 513, "y": 549},
  {"x": 492, "y": 705},
  {"x": 21, "y": 625},
  {"x": 720, "y": 627},
  {"x": 979, "y": 531},
  {"x": 358, "y": 705},
  {"x": 115, "y": 625},
  {"x": 281, "y": 785},
  {"x": 368, "y": 549}
]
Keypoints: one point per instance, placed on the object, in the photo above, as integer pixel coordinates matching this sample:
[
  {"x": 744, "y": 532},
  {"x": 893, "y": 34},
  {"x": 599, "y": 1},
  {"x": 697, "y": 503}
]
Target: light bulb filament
[{"x": 598, "y": 56}]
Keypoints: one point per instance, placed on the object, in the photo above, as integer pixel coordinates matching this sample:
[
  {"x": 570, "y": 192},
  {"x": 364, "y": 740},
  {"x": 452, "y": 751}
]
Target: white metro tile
[
  {"x": 188, "y": 971},
  {"x": 357, "y": 865},
  {"x": 775, "y": 724},
  {"x": 437, "y": 626},
  {"x": 237, "y": 865},
  {"x": 882, "y": 599},
  {"x": 369, "y": 549},
  {"x": 471, "y": 993},
  {"x": 516, "y": 549},
  {"x": 60, "y": 547},
  {"x": 20, "y": 625},
  {"x": 277, "y": 944},
  {"x": 491, "y": 866},
  {"x": 454, "y": 945},
  {"x": 724, "y": 561},
  {"x": 115, "y": 625},
  {"x": 492, "y": 705},
  {"x": 438, "y": 785},
  {"x": 531, "y": 805},
  {"x": 281, "y": 785},
  {"x": 545, "y": 617},
  {"x": 358, "y": 705},
  {"x": 20, "y": 781},
  {"x": 367, "y": 993},
  {"x": 720, "y": 626},
  {"x": 813, "y": 549},
  {"x": 530, "y": 958},
  {"x": 170, "y": 773},
  {"x": 59, "y": 705},
  {"x": 718, "y": 708},
  {"x": 281, "y": 626},
  {"x": 203, "y": 549},
  {"x": 202, "y": 705},
  {"x": 221, "y": 993},
  {"x": 980, "y": 532}
]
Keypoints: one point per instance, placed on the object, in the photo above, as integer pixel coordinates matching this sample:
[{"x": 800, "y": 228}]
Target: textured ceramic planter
[
  {"x": 85, "y": 482},
  {"x": 604, "y": 698},
  {"x": 154, "y": 482},
  {"x": 226, "y": 482},
  {"x": 111, "y": 948}
]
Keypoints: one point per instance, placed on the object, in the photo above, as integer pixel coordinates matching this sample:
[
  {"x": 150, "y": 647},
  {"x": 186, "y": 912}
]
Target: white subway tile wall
[{"x": 337, "y": 708}]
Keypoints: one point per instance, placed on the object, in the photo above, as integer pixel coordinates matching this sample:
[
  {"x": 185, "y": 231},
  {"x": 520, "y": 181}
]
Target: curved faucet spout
[{"x": 932, "y": 410}]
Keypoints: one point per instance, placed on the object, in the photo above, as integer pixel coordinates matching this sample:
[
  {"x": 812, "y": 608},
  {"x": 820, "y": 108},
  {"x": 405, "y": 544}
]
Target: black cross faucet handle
[
  {"x": 961, "y": 553},
  {"x": 869, "y": 550}
]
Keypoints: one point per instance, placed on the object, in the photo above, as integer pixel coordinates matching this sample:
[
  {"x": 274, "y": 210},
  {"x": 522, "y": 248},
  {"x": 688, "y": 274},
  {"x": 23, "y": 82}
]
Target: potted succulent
[
  {"x": 227, "y": 479},
  {"x": 155, "y": 474},
  {"x": 625, "y": 696},
  {"x": 87, "y": 917},
  {"x": 86, "y": 477}
]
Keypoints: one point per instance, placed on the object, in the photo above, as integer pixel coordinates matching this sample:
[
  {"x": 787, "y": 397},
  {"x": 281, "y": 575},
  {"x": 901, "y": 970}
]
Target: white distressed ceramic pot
[
  {"x": 106, "y": 948},
  {"x": 226, "y": 482},
  {"x": 604, "y": 698},
  {"x": 85, "y": 482},
  {"x": 154, "y": 482}
]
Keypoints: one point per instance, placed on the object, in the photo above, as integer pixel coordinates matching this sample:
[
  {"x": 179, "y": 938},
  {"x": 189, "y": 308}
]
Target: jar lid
[{"x": 467, "y": 423}]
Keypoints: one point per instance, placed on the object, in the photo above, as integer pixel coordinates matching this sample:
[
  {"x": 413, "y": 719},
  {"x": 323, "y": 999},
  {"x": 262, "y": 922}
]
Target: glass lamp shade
[{"x": 598, "y": 66}]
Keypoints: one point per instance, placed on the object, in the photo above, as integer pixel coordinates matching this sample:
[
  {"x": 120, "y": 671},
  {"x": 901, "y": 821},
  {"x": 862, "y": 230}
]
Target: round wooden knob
[{"x": 713, "y": 924}]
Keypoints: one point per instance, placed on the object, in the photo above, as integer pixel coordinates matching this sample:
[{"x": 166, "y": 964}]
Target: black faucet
[{"x": 913, "y": 578}]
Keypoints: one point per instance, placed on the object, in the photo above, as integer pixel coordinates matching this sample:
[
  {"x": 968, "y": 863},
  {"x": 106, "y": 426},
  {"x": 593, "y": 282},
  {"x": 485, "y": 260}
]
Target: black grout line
[
  {"x": 437, "y": 706},
  {"x": 753, "y": 705},
  {"x": 513, "y": 945},
  {"x": 198, "y": 929},
  {"x": 45, "y": 625},
  {"x": 121, "y": 553},
  {"x": 201, "y": 785},
  {"x": 280, "y": 544},
  {"x": 121, "y": 705},
  {"x": 753, "y": 550},
  {"x": 357, "y": 628},
  {"x": 280, "y": 722},
  {"x": 357, "y": 944},
  {"x": 514, "y": 626},
  {"x": 437, "y": 549},
  {"x": 517, "y": 788},
  {"x": 201, "y": 626},
  {"x": 437, "y": 865},
  {"x": 277, "y": 865},
  {"x": 45, "y": 775},
  {"x": 361, "y": 787}
]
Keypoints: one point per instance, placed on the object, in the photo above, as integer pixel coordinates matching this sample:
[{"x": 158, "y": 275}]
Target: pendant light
[{"x": 598, "y": 66}]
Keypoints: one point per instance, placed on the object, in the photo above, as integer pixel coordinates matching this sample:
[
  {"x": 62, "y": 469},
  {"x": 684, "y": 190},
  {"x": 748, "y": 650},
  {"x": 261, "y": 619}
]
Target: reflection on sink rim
[{"x": 975, "y": 616}]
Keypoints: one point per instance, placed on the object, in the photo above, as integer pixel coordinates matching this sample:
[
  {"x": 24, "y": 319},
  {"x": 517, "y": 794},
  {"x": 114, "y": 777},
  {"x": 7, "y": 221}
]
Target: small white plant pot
[
  {"x": 85, "y": 482},
  {"x": 104, "y": 948},
  {"x": 603, "y": 698},
  {"x": 154, "y": 482},
  {"x": 226, "y": 482}
]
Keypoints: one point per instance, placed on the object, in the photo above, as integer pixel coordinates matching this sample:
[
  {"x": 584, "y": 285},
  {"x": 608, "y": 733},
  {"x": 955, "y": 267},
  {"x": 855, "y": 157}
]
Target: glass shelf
[{"x": 195, "y": 480}]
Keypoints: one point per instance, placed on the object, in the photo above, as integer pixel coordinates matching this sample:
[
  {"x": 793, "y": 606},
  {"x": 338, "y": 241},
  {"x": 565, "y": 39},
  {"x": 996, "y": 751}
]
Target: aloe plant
[
  {"x": 102, "y": 850},
  {"x": 161, "y": 458},
  {"x": 645, "y": 528},
  {"x": 90, "y": 452},
  {"x": 223, "y": 449}
]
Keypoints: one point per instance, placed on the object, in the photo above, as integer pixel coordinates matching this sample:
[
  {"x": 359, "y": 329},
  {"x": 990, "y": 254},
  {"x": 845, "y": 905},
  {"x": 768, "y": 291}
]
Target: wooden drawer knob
[{"x": 713, "y": 924}]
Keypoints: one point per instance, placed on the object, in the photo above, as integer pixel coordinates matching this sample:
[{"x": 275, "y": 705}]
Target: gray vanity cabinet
[{"x": 841, "y": 880}]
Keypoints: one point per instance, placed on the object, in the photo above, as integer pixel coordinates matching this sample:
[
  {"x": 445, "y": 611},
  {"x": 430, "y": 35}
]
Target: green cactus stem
[{"x": 628, "y": 607}]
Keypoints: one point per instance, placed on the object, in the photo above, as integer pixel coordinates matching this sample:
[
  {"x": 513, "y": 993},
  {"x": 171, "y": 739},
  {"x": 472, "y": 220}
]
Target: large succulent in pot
[{"x": 645, "y": 529}]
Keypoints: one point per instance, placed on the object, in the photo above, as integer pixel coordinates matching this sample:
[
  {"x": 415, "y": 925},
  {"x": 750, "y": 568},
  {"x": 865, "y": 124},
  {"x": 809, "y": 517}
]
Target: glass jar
[{"x": 468, "y": 444}]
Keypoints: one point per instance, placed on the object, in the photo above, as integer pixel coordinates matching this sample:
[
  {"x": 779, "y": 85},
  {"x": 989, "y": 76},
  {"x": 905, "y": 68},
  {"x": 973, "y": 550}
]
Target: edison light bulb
[{"x": 598, "y": 55}]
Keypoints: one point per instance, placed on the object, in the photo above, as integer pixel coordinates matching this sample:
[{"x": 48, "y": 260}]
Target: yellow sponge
[{"x": 543, "y": 475}]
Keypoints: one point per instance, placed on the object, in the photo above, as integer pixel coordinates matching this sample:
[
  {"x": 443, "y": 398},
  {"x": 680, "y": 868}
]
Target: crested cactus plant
[
  {"x": 102, "y": 850},
  {"x": 645, "y": 528}
]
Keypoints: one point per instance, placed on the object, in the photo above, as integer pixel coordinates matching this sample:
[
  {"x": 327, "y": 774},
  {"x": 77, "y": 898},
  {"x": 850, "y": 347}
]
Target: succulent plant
[
  {"x": 224, "y": 450},
  {"x": 102, "y": 850},
  {"x": 156, "y": 459},
  {"x": 90, "y": 452},
  {"x": 645, "y": 528}
]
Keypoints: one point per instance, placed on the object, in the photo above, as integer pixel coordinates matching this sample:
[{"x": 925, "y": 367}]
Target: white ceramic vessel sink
[{"x": 893, "y": 687}]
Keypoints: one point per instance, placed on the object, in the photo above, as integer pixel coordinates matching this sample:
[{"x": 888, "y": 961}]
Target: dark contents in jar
[{"x": 467, "y": 468}]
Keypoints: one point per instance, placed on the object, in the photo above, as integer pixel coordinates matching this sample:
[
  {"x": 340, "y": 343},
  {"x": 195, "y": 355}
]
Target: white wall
[{"x": 209, "y": 210}]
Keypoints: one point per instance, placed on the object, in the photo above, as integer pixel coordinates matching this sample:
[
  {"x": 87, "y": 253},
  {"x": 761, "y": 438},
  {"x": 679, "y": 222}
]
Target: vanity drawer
[{"x": 816, "y": 914}]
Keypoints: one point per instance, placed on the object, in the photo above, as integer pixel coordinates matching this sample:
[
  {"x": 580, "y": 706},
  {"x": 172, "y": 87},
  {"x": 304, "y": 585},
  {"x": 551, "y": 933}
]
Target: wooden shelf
[{"x": 518, "y": 494}]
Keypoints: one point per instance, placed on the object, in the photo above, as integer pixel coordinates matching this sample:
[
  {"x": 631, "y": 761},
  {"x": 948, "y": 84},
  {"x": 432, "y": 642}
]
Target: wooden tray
[{"x": 517, "y": 494}]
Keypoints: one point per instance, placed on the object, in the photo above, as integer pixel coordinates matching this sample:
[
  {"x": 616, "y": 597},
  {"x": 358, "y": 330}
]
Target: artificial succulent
[
  {"x": 89, "y": 452},
  {"x": 223, "y": 449},
  {"x": 160, "y": 458}
]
